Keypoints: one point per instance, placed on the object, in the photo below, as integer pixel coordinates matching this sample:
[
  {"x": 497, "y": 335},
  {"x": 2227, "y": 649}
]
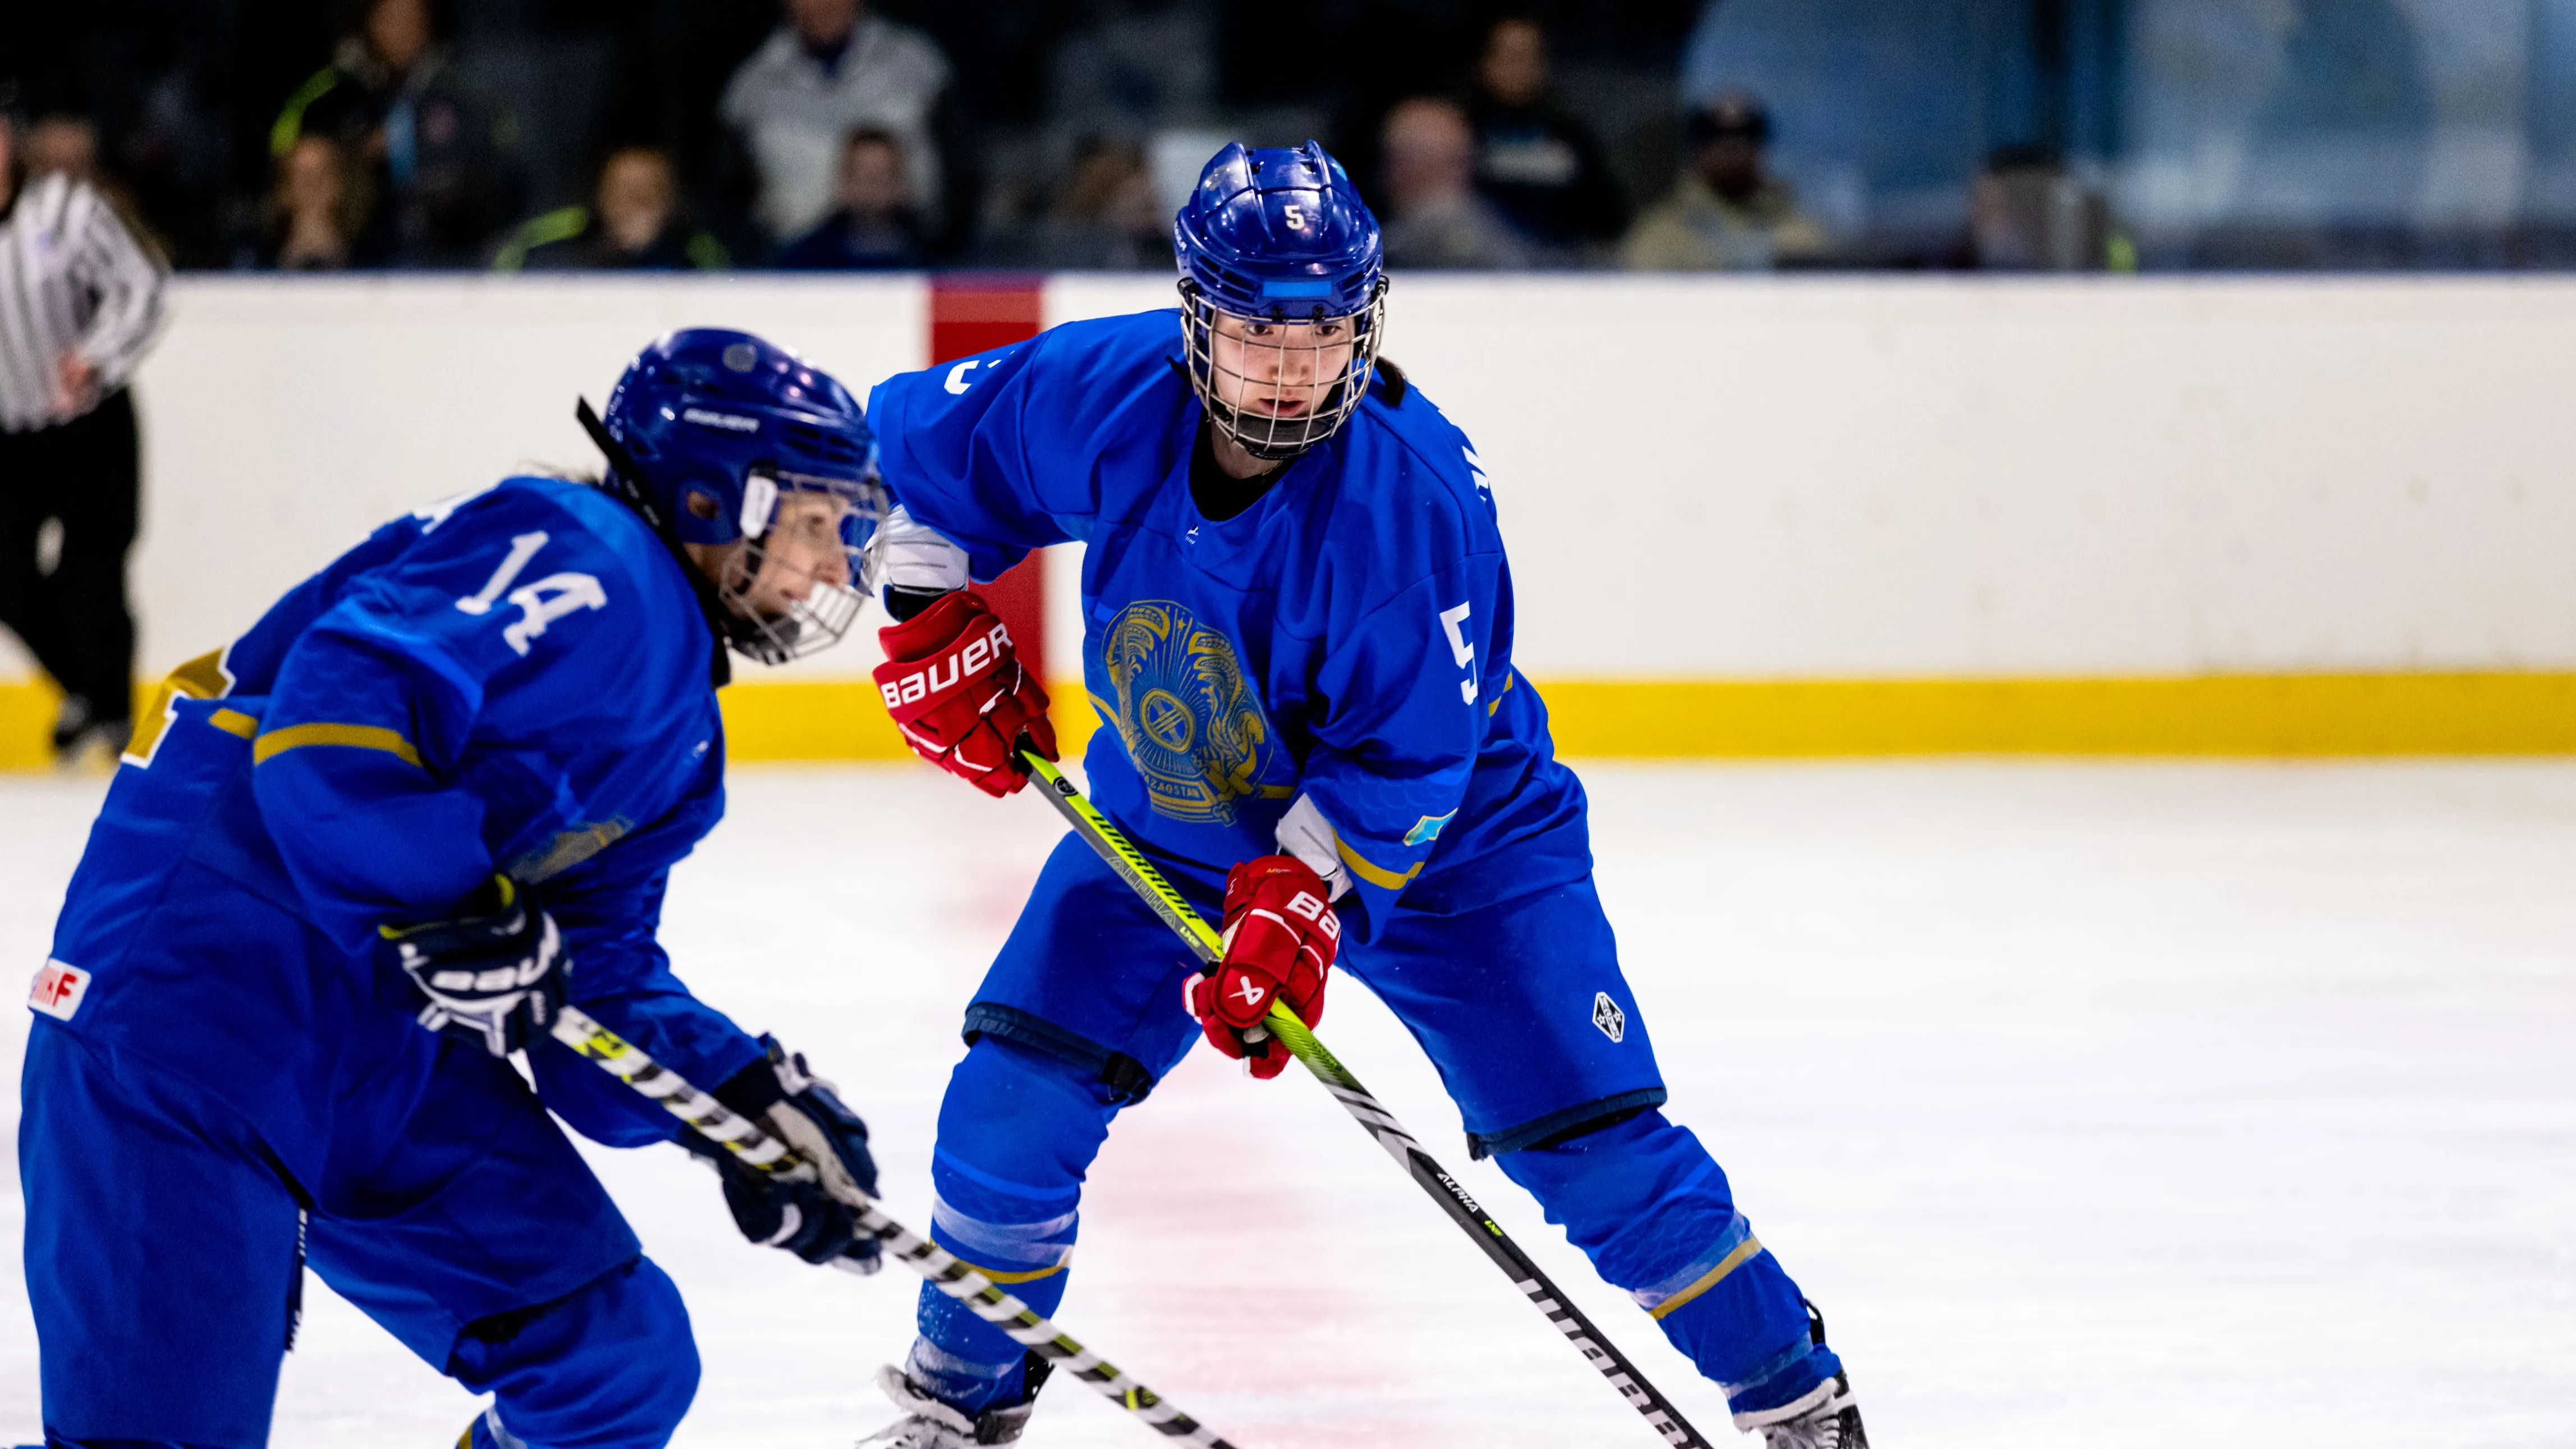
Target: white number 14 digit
[{"x": 540, "y": 603}]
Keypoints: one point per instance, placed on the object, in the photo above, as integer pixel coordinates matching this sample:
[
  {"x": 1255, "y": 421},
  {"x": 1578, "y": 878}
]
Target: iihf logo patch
[
  {"x": 1607, "y": 1016},
  {"x": 58, "y": 989}
]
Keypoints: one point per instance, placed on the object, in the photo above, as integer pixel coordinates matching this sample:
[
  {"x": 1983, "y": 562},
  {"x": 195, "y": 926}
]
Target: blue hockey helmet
[
  {"x": 725, "y": 438},
  {"x": 1279, "y": 242}
]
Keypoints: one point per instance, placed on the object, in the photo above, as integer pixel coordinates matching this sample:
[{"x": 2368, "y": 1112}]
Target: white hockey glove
[{"x": 493, "y": 972}]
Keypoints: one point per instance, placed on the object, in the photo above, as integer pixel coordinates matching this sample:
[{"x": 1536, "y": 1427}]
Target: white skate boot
[
  {"x": 1824, "y": 1419},
  {"x": 928, "y": 1423}
]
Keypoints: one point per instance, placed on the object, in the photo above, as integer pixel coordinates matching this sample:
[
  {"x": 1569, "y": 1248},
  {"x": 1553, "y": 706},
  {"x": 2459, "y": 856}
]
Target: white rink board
[
  {"x": 2124, "y": 1106},
  {"x": 1700, "y": 478},
  {"x": 1977, "y": 477},
  {"x": 285, "y": 418}
]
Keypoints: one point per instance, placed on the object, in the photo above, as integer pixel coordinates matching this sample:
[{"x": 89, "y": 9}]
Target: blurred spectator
[
  {"x": 314, "y": 210},
  {"x": 2025, "y": 214},
  {"x": 440, "y": 156},
  {"x": 1132, "y": 67},
  {"x": 876, "y": 226},
  {"x": 1726, "y": 213},
  {"x": 1434, "y": 216},
  {"x": 64, "y": 145},
  {"x": 1107, "y": 219},
  {"x": 632, "y": 224},
  {"x": 834, "y": 68},
  {"x": 80, "y": 303},
  {"x": 1537, "y": 162}
]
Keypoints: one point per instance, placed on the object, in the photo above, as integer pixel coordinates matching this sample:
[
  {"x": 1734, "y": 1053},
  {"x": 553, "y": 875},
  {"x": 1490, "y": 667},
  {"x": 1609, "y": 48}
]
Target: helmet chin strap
[
  {"x": 624, "y": 472},
  {"x": 624, "y": 475}
]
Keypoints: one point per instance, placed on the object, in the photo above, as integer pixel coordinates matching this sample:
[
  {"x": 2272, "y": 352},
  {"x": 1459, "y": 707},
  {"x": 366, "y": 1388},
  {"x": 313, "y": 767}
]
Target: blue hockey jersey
[
  {"x": 517, "y": 679},
  {"x": 1347, "y": 638}
]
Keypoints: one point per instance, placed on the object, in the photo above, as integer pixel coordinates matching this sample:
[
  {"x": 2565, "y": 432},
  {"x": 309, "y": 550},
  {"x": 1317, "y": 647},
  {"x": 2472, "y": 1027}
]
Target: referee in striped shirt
[{"x": 80, "y": 301}]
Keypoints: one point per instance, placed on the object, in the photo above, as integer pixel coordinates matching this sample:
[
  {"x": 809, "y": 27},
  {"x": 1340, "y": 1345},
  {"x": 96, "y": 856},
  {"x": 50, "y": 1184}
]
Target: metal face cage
[
  {"x": 1290, "y": 388},
  {"x": 798, "y": 627}
]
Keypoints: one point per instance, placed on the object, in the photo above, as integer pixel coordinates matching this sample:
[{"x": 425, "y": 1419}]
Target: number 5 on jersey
[
  {"x": 1460, "y": 649},
  {"x": 539, "y": 604}
]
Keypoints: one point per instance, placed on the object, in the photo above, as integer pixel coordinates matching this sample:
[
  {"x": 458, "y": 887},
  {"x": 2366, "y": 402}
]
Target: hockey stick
[
  {"x": 757, "y": 1149},
  {"x": 1148, "y": 883}
]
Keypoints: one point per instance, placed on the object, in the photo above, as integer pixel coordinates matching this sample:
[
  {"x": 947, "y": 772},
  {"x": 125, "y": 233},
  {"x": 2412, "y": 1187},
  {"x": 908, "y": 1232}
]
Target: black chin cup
[
  {"x": 758, "y": 642},
  {"x": 1267, "y": 439}
]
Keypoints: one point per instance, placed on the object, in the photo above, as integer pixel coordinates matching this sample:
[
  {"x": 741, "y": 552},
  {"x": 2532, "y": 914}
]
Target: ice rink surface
[{"x": 2137, "y": 1105}]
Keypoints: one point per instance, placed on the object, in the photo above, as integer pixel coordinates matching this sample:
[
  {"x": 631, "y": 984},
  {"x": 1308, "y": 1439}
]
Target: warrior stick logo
[{"x": 1607, "y": 1016}]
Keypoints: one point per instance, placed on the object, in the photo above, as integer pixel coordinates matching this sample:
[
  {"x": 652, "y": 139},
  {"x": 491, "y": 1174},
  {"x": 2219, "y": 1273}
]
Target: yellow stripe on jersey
[
  {"x": 1374, "y": 874},
  {"x": 354, "y": 736}
]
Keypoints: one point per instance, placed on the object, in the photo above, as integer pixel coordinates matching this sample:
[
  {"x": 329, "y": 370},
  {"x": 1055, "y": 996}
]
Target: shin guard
[
  {"x": 1652, "y": 1210},
  {"x": 1017, "y": 1132}
]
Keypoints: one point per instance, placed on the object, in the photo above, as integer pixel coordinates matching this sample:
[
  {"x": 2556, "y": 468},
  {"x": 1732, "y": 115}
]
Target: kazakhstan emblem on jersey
[{"x": 1186, "y": 713}]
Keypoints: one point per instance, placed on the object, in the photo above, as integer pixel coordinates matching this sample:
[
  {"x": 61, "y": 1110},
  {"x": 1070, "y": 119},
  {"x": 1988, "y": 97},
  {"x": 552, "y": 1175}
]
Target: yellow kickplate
[{"x": 2249, "y": 715}]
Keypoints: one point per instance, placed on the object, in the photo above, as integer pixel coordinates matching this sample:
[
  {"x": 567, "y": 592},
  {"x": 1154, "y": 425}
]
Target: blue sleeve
[
  {"x": 455, "y": 617},
  {"x": 958, "y": 446},
  {"x": 609, "y": 911},
  {"x": 1404, "y": 719},
  {"x": 374, "y": 702}
]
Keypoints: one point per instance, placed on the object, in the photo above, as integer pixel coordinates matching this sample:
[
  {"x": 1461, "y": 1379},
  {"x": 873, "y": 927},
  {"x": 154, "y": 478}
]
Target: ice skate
[
  {"x": 928, "y": 1423},
  {"x": 1825, "y": 1419}
]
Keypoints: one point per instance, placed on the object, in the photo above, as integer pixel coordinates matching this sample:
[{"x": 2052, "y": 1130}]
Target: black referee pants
[{"x": 84, "y": 474}]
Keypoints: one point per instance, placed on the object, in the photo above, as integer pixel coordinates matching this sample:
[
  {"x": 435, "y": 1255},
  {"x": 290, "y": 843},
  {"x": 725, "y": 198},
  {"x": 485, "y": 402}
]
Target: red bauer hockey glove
[
  {"x": 959, "y": 695},
  {"x": 1280, "y": 938}
]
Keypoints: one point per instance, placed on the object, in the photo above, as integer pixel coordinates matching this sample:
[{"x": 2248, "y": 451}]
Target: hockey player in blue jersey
[
  {"x": 1298, "y": 630},
  {"x": 441, "y": 784}
]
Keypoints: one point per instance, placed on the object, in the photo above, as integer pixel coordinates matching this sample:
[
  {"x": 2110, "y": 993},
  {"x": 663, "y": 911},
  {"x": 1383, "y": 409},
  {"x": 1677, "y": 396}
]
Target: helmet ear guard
[
  {"x": 759, "y": 501},
  {"x": 703, "y": 509}
]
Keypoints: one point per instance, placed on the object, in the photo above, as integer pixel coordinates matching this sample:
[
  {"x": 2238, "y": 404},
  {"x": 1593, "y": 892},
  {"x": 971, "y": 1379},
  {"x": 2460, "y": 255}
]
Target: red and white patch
[{"x": 58, "y": 989}]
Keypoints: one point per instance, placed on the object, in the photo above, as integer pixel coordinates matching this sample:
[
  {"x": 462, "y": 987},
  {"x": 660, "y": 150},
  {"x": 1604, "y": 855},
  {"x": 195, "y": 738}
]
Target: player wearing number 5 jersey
[
  {"x": 440, "y": 785},
  {"x": 1298, "y": 633}
]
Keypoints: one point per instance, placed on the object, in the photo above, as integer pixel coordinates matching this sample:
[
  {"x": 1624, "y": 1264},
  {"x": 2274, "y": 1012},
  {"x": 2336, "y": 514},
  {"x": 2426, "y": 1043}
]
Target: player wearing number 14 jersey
[
  {"x": 441, "y": 784},
  {"x": 1297, "y": 626}
]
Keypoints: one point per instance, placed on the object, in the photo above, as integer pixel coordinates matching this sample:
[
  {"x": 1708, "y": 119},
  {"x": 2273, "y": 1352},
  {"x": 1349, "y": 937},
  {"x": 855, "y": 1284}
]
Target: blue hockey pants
[
  {"x": 1521, "y": 1006},
  {"x": 165, "y": 1247}
]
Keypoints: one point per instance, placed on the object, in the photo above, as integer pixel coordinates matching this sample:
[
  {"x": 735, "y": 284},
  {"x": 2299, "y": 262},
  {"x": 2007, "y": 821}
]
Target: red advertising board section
[{"x": 971, "y": 314}]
